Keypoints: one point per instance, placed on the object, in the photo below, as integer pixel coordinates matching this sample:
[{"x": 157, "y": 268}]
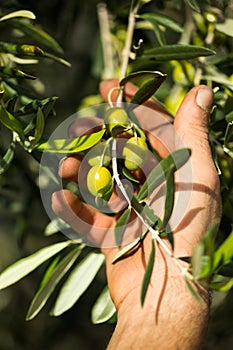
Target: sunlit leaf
[
  {"x": 78, "y": 281},
  {"x": 157, "y": 176},
  {"x": 148, "y": 81},
  {"x": 103, "y": 308},
  {"x": 224, "y": 253},
  {"x": 20, "y": 13},
  {"x": 78, "y": 144},
  {"x": 6, "y": 160},
  {"x": 222, "y": 286},
  {"x": 176, "y": 52},
  {"x": 48, "y": 287},
  {"x": 23, "y": 267},
  {"x": 148, "y": 272},
  {"x": 121, "y": 226},
  {"x": 203, "y": 255},
  {"x": 158, "y": 18},
  {"x": 11, "y": 122},
  {"x": 226, "y": 27}
]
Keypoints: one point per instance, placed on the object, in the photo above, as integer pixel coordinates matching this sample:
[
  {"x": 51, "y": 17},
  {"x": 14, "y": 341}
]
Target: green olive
[
  {"x": 99, "y": 155},
  {"x": 99, "y": 181},
  {"x": 135, "y": 151},
  {"x": 116, "y": 117}
]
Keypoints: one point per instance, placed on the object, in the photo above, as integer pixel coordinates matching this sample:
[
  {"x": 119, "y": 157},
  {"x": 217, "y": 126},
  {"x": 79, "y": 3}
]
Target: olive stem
[
  {"x": 116, "y": 175},
  {"x": 154, "y": 233},
  {"x": 127, "y": 48}
]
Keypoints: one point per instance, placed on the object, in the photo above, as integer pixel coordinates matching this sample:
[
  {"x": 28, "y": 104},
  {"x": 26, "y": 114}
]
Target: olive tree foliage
[{"x": 166, "y": 47}]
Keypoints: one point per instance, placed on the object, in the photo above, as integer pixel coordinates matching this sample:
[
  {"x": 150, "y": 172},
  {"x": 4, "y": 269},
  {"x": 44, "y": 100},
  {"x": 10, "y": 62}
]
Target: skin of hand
[{"x": 170, "y": 318}]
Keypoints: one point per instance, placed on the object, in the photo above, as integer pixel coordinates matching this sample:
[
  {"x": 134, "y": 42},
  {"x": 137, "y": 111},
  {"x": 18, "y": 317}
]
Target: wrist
[{"x": 169, "y": 318}]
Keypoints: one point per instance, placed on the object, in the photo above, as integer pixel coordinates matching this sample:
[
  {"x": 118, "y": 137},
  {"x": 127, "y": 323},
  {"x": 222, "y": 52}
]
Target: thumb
[{"x": 191, "y": 124}]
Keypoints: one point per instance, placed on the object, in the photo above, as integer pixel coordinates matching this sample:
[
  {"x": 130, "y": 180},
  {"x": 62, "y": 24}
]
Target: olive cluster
[{"x": 100, "y": 181}]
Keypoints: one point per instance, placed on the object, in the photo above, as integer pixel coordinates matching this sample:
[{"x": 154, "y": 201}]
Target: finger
[
  {"x": 84, "y": 219},
  {"x": 69, "y": 167},
  {"x": 191, "y": 124}
]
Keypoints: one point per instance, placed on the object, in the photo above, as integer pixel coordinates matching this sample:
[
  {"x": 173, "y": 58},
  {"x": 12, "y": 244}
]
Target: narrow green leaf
[
  {"x": 23, "y": 267},
  {"x": 71, "y": 145},
  {"x": 222, "y": 286},
  {"x": 129, "y": 247},
  {"x": 228, "y": 133},
  {"x": 224, "y": 253},
  {"x": 40, "y": 125},
  {"x": 155, "y": 27},
  {"x": 56, "y": 225},
  {"x": 148, "y": 272},
  {"x": 163, "y": 20},
  {"x": 6, "y": 160},
  {"x": 11, "y": 72},
  {"x": 229, "y": 117},
  {"x": 23, "y": 50},
  {"x": 193, "y": 4},
  {"x": 121, "y": 226},
  {"x": 176, "y": 52},
  {"x": 103, "y": 308},
  {"x": 191, "y": 288},
  {"x": 39, "y": 35},
  {"x": 48, "y": 287},
  {"x": 11, "y": 122},
  {"x": 225, "y": 27},
  {"x": 169, "y": 199},
  {"x": 203, "y": 255},
  {"x": 20, "y": 13},
  {"x": 157, "y": 176},
  {"x": 148, "y": 81},
  {"x": 77, "y": 282}
]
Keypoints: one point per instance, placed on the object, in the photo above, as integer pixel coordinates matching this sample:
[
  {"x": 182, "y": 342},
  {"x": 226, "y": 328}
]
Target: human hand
[{"x": 125, "y": 277}]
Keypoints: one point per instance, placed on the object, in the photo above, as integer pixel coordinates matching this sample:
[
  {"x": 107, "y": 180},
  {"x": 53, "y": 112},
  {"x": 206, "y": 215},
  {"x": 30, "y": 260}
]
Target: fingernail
[
  {"x": 204, "y": 98},
  {"x": 61, "y": 161}
]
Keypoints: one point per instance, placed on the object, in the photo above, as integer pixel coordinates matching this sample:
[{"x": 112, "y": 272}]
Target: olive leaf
[
  {"x": 121, "y": 226},
  {"x": 148, "y": 81},
  {"x": 173, "y": 162},
  {"x": 103, "y": 308},
  {"x": 193, "y": 4},
  {"x": 15, "y": 73},
  {"x": 48, "y": 286},
  {"x": 24, "y": 266},
  {"x": 78, "y": 144},
  {"x": 129, "y": 247},
  {"x": 11, "y": 122},
  {"x": 6, "y": 160},
  {"x": 176, "y": 52},
  {"x": 148, "y": 272},
  {"x": 78, "y": 281},
  {"x": 165, "y": 21},
  {"x": 38, "y": 34},
  {"x": 20, "y": 13}
]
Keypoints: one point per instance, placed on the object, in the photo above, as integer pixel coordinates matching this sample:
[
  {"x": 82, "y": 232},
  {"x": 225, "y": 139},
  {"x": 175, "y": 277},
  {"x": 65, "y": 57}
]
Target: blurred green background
[{"x": 74, "y": 24}]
